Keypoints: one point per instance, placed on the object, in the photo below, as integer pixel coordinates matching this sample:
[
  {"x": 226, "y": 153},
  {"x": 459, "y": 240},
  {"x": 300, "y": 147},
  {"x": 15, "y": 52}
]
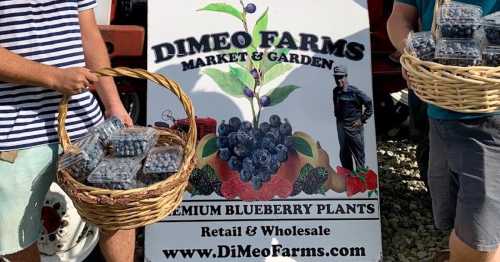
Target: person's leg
[
  {"x": 357, "y": 146},
  {"x": 461, "y": 252},
  {"x": 23, "y": 186},
  {"x": 118, "y": 246},
  {"x": 474, "y": 157},
  {"x": 344, "y": 150}
]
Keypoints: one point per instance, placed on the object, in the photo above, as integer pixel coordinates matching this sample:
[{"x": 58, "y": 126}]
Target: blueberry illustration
[
  {"x": 286, "y": 128},
  {"x": 261, "y": 157},
  {"x": 282, "y": 152},
  {"x": 256, "y": 182},
  {"x": 246, "y": 175},
  {"x": 241, "y": 40},
  {"x": 224, "y": 129},
  {"x": 233, "y": 139},
  {"x": 222, "y": 141},
  {"x": 248, "y": 164},
  {"x": 274, "y": 165},
  {"x": 275, "y": 121},
  {"x": 246, "y": 126},
  {"x": 250, "y": 8},
  {"x": 235, "y": 123},
  {"x": 224, "y": 154},
  {"x": 234, "y": 163},
  {"x": 248, "y": 92},
  {"x": 265, "y": 101},
  {"x": 265, "y": 127},
  {"x": 240, "y": 151}
]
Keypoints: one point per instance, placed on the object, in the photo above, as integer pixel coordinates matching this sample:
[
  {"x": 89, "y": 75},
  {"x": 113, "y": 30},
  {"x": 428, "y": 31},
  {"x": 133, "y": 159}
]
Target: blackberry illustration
[
  {"x": 255, "y": 152},
  {"x": 315, "y": 179},
  {"x": 204, "y": 181},
  {"x": 297, "y": 188}
]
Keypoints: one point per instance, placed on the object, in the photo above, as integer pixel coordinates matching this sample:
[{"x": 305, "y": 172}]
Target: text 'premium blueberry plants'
[{"x": 254, "y": 149}]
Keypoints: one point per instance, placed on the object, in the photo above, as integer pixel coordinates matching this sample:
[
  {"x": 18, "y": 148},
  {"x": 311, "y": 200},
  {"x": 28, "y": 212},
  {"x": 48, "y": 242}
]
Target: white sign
[{"x": 286, "y": 150}]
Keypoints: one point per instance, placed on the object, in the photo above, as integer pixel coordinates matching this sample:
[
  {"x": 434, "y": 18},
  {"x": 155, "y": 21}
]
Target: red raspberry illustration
[
  {"x": 230, "y": 189},
  {"x": 371, "y": 180}
]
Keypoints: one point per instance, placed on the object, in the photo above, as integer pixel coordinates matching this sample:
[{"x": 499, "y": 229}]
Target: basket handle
[
  {"x": 437, "y": 5},
  {"x": 168, "y": 84}
]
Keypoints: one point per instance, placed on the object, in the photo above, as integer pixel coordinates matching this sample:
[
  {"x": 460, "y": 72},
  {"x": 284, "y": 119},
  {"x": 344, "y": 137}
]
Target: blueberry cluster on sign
[
  {"x": 422, "y": 45},
  {"x": 458, "y": 52},
  {"x": 166, "y": 159},
  {"x": 131, "y": 142},
  {"x": 255, "y": 152},
  {"x": 116, "y": 173},
  {"x": 459, "y": 20}
]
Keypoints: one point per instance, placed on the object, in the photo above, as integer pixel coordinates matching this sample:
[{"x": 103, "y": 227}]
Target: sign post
[{"x": 286, "y": 154}]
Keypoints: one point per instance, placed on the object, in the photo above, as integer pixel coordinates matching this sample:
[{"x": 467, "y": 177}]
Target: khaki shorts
[
  {"x": 464, "y": 179},
  {"x": 23, "y": 186}
]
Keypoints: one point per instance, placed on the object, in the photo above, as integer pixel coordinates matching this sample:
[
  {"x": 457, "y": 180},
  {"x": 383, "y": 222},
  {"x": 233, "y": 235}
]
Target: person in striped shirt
[{"x": 47, "y": 48}]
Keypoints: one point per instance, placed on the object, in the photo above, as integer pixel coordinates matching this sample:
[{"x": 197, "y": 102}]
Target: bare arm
[
  {"x": 96, "y": 57},
  {"x": 19, "y": 70},
  {"x": 403, "y": 19}
]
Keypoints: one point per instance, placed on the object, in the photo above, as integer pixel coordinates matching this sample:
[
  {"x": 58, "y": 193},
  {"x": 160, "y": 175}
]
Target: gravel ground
[{"x": 407, "y": 228}]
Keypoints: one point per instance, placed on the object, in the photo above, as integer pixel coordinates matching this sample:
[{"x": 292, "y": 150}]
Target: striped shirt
[{"x": 46, "y": 31}]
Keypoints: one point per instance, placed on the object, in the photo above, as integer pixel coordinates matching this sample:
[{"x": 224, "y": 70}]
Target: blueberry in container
[
  {"x": 130, "y": 142},
  {"x": 165, "y": 159},
  {"x": 422, "y": 45},
  {"x": 457, "y": 52},
  {"x": 81, "y": 164},
  {"x": 491, "y": 56},
  {"x": 116, "y": 173},
  {"x": 491, "y": 25},
  {"x": 458, "y": 20},
  {"x": 107, "y": 128}
]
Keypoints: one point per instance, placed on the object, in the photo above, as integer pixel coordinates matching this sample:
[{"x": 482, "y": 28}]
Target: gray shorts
[{"x": 464, "y": 179}]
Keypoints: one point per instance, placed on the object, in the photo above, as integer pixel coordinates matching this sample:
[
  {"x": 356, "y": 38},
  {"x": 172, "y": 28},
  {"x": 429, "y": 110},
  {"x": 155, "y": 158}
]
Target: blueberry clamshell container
[
  {"x": 164, "y": 159},
  {"x": 421, "y": 45},
  {"x": 491, "y": 56},
  {"x": 107, "y": 128},
  {"x": 116, "y": 173},
  {"x": 86, "y": 160},
  {"x": 457, "y": 52},
  {"x": 458, "y": 20},
  {"x": 135, "y": 141},
  {"x": 492, "y": 31}
]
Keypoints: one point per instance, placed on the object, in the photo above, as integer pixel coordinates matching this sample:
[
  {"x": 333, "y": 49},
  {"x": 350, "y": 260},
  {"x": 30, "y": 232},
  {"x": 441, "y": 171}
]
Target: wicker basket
[
  {"x": 127, "y": 209},
  {"x": 474, "y": 89}
]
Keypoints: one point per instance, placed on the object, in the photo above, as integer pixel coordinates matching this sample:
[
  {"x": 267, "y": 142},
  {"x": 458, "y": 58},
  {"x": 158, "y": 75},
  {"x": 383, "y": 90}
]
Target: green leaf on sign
[
  {"x": 323, "y": 189},
  {"x": 370, "y": 194},
  {"x": 260, "y": 25},
  {"x": 243, "y": 75},
  {"x": 279, "y": 94},
  {"x": 268, "y": 64},
  {"x": 210, "y": 147},
  {"x": 227, "y": 83},
  {"x": 276, "y": 71},
  {"x": 223, "y": 8},
  {"x": 302, "y": 146}
]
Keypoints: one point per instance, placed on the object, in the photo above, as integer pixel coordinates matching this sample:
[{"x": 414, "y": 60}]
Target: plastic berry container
[
  {"x": 116, "y": 173},
  {"x": 458, "y": 52},
  {"x": 86, "y": 160},
  {"x": 422, "y": 45},
  {"x": 106, "y": 129},
  {"x": 130, "y": 142},
  {"x": 491, "y": 56},
  {"x": 458, "y": 20},
  {"x": 165, "y": 159},
  {"x": 491, "y": 25}
]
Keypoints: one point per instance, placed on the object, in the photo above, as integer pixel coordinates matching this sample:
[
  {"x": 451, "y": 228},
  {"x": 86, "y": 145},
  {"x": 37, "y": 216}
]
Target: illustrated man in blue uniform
[{"x": 352, "y": 109}]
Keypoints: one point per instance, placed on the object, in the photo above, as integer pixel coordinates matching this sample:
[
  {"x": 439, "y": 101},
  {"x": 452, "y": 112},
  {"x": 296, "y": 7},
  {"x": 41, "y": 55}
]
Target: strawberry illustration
[
  {"x": 354, "y": 185},
  {"x": 371, "y": 180},
  {"x": 343, "y": 171}
]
